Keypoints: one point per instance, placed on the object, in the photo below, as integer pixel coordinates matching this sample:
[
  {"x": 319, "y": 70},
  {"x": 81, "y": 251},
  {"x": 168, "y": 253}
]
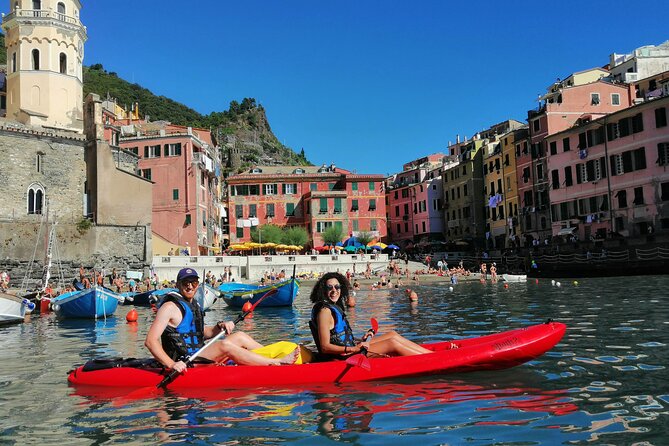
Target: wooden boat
[
  {"x": 237, "y": 294},
  {"x": 491, "y": 352},
  {"x": 91, "y": 303},
  {"x": 13, "y": 309},
  {"x": 513, "y": 277}
]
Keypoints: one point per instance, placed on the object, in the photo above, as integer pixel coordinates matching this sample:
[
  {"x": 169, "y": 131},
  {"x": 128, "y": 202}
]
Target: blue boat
[
  {"x": 91, "y": 303},
  {"x": 237, "y": 294}
]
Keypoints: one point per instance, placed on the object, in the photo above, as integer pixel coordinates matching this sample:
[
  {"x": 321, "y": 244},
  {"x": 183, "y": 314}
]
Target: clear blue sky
[{"x": 368, "y": 85}]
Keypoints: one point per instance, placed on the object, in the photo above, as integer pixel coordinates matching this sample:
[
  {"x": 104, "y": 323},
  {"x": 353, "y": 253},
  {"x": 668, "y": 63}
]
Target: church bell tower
[{"x": 45, "y": 51}]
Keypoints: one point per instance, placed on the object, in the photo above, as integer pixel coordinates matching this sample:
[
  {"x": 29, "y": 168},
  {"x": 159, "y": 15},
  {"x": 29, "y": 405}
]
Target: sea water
[{"x": 604, "y": 383}]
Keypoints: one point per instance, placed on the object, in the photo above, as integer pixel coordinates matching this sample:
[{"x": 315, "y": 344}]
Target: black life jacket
[{"x": 188, "y": 336}]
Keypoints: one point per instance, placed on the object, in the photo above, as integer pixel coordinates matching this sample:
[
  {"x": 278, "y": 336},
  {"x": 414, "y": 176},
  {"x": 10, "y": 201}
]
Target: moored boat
[
  {"x": 237, "y": 294},
  {"x": 13, "y": 309},
  {"x": 491, "y": 352},
  {"x": 146, "y": 298},
  {"x": 513, "y": 277},
  {"x": 90, "y": 303}
]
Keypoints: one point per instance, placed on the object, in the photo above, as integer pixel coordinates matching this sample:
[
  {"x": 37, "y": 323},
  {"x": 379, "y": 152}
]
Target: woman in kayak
[
  {"x": 332, "y": 332},
  {"x": 179, "y": 331}
]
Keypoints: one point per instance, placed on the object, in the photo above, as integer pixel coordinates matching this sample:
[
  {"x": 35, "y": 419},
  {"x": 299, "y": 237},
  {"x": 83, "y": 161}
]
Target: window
[
  {"x": 289, "y": 189},
  {"x": 526, "y": 174},
  {"x": 240, "y": 232},
  {"x": 331, "y": 186},
  {"x": 553, "y": 147},
  {"x": 372, "y": 225},
  {"x": 663, "y": 153},
  {"x": 371, "y": 185},
  {"x": 622, "y": 199},
  {"x": 39, "y": 162},
  {"x": 397, "y": 211},
  {"x": 323, "y": 206},
  {"x": 269, "y": 189},
  {"x": 254, "y": 189},
  {"x": 660, "y": 117},
  {"x": 239, "y": 211},
  {"x": 172, "y": 149},
  {"x": 638, "y": 195},
  {"x": 354, "y": 205},
  {"x": 188, "y": 220},
  {"x": 372, "y": 204},
  {"x": 356, "y": 226},
  {"x": 313, "y": 186},
  {"x": 269, "y": 208},
  {"x": 63, "y": 63},
  {"x": 321, "y": 226},
  {"x": 175, "y": 194},
  {"x": 565, "y": 144},
  {"x": 568, "y": 180},
  {"x": 594, "y": 98},
  {"x": 146, "y": 173},
  {"x": 540, "y": 171},
  {"x": 13, "y": 62},
  {"x": 665, "y": 192},
  {"x": 35, "y": 54},
  {"x": 464, "y": 190},
  {"x": 536, "y": 125},
  {"x": 556, "y": 178},
  {"x": 354, "y": 185},
  {"x": 152, "y": 151},
  {"x": 253, "y": 210},
  {"x": 61, "y": 10},
  {"x": 290, "y": 209},
  {"x": 337, "y": 205},
  {"x": 615, "y": 98},
  {"x": 35, "y": 199}
]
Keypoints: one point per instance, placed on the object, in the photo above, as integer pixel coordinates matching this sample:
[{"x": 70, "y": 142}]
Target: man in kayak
[
  {"x": 335, "y": 337},
  {"x": 178, "y": 330}
]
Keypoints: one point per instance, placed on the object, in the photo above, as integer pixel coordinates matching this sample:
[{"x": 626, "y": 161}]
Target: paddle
[
  {"x": 360, "y": 359},
  {"x": 246, "y": 310}
]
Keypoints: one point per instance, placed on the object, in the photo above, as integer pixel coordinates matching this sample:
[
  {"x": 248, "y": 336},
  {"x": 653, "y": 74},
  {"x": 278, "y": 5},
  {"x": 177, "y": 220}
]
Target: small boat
[
  {"x": 491, "y": 352},
  {"x": 13, "y": 309},
  {"x": 513, "y": 277},
  {"x": 237, "y": 294},
  {"x": 91, "y": 303},
  {"x": 206, "y": 296},
  {"x": 146, "y": 298}
]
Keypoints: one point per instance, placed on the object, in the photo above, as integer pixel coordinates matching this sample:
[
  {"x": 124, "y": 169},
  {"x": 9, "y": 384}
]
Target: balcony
[{"x": 40, "y": 15}]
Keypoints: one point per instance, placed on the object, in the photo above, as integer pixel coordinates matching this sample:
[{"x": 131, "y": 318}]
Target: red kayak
[{"x": 491, "y": 352}]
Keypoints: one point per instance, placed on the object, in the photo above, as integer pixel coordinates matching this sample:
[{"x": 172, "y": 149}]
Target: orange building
[{"x": 309, "y": 196}]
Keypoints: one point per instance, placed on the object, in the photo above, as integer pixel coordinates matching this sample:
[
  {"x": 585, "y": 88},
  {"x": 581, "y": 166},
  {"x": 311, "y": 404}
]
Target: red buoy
[
  {"x": 131, "y": 316},
  {"x": 506, "y": 285}
]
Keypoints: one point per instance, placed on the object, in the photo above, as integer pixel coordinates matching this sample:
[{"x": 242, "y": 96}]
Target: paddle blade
[
  {"x": 359, "y": 360},
  {"x": 375, "y": 325},
  {"x": 139, "y": 394}
]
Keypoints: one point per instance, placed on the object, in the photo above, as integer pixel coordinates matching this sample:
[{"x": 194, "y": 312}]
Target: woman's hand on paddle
[
  {"x": 179, "y": 366},
  {"x": 362, "y": 345}
]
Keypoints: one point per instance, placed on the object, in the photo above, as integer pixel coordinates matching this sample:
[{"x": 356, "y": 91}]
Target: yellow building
[{"x": 45, "y": 51}]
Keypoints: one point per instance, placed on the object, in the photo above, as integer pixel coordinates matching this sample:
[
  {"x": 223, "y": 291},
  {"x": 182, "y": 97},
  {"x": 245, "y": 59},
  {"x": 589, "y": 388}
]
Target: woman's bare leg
[{"x": 392, "y": 343}]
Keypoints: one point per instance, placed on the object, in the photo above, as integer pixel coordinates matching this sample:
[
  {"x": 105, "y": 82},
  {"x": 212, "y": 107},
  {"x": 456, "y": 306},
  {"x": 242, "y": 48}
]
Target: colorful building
[
  {"x": 184, "y": 165},
  {"x": 617, "y": 181},
  {"x": 308, "y": 196},
  {"x": 415, "y": 201},
  {"x": 584, "y": 95}
]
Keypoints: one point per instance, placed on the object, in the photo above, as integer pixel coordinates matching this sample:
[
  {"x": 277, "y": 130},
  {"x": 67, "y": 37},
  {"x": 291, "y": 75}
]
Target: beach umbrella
[{"x": 391, "y": 246}]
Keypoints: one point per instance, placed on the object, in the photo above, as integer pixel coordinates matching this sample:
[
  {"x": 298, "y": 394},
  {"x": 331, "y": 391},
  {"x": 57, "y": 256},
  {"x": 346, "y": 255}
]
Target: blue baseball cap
[{"x": 185, "y": 273}]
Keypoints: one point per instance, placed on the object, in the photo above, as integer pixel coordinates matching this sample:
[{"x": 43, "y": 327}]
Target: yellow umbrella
[{"x": 269, "y": 245}]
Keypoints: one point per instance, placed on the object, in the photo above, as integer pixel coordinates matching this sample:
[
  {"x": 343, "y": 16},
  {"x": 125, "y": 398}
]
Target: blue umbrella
[{"x": 393, "y": 247}]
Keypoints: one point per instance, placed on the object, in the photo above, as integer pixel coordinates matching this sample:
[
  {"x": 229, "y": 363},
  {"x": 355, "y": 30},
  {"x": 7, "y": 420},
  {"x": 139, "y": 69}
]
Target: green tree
[
  {"x": 332, "y": 235},
  {"x": 267, "y": 234},
  {"x": 295, "y": 235},
  {"x": 364, "y": 238}
]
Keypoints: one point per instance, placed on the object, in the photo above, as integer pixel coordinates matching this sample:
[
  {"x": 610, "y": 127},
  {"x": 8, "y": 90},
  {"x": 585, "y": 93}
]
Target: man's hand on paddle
[
  {"x": 179, "y": 366},
  {"x": 226, "y": 326}
]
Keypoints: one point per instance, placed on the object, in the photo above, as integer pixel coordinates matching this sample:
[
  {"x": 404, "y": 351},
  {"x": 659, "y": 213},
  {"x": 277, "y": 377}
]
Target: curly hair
[{"x": 320, "y": 291}]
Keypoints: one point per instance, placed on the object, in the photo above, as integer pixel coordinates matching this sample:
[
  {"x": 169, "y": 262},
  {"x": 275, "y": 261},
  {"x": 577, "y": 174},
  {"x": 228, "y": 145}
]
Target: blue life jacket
[
  {"x": 341, "y": 334},
  {"x": 188, "y": 336}
]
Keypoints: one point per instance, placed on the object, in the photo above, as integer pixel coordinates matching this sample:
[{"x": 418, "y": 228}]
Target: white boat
[
  {"x": 13, "y": 309},
  {"x": 206, "y": 296},
  {"x": 514, "y": 277}
]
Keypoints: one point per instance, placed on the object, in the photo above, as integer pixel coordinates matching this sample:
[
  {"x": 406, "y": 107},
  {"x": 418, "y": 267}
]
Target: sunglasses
[
  {"x": 194, "y": 282},
  {"x": 333, "y": 287}
]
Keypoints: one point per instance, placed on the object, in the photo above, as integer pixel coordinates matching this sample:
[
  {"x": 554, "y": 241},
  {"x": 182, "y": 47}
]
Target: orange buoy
[{"x": 131, "y": 316}]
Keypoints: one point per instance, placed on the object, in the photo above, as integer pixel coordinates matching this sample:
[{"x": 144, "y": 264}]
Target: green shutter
[
  {"x": 337, "y": 205},
  {"x": 290, "y": 209},
  {"x": 324, "y": 205},
  {"x": 371, "y": 185},
  {"x": 372, "y": 204},
  {"x": 354, "y": 205},
  {"x": 354, "y": 185},
  {"x": 175, "y": 194}
]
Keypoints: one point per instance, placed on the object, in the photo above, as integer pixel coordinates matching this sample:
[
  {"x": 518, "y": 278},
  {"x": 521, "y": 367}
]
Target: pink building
[
  {"x": 184, "y": 166},
  {"x": 415, "y": 202},
  {"x": 613, "y": 166},
  {"x": 583, "y": 95}
]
